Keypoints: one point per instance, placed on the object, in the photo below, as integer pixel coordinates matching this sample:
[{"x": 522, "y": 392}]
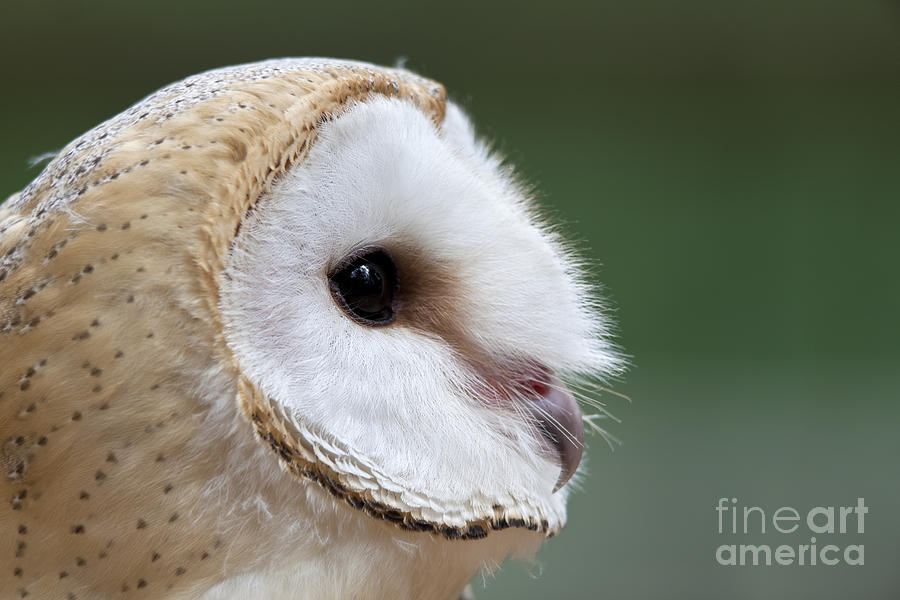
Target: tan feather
[{"x": 109, "y": 327}]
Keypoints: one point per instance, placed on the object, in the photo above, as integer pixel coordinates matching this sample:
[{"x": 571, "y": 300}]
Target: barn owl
[{"x": 284, "y": 330}]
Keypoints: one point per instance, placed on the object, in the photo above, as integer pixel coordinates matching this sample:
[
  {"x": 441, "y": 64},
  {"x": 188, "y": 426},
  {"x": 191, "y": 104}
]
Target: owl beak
[{"x": 558, "y": 417}]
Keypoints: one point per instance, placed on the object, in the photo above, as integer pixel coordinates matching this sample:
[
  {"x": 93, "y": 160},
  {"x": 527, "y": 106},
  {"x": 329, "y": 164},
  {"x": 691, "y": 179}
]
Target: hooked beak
[{"x": 558, "y": 417}]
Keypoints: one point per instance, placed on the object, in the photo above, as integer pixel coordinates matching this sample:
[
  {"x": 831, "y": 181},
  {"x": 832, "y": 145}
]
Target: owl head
[{"x": 322, "y": 253}]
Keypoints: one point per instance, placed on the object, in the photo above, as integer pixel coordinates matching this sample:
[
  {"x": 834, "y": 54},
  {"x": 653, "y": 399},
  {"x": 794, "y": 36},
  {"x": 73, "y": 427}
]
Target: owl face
[{"x": 402, "y": 322}]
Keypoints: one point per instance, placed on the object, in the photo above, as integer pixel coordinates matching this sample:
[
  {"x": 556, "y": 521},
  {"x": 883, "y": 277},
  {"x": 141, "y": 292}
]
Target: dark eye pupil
[
  {"x": 364, "y": 289},
  {"x": 364, "y": 286}
]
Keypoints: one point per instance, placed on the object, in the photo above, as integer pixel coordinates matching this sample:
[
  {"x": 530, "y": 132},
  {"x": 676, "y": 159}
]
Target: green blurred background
[{"x": 732, "y": 168}]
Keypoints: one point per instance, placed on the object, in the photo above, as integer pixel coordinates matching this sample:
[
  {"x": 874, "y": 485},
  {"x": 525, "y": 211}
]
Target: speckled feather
[{"x": 103, "y": 454}]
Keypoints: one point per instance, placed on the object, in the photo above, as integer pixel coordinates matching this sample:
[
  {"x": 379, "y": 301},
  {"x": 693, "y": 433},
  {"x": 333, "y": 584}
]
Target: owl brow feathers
[{"x": 276, "y": 90}]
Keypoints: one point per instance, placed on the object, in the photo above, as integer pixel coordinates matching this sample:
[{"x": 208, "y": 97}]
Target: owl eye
[{"x": 363, "y": 284}]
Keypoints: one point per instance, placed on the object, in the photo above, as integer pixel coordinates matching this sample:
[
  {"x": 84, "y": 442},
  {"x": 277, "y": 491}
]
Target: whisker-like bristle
[
  {"x": 595, "y": 387},
  {"x": 610, "y": 439},
  {"x": 559, "y": 425}
]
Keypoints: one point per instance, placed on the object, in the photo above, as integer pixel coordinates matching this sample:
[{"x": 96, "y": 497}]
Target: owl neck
[{"x": 307, "y": 544}]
